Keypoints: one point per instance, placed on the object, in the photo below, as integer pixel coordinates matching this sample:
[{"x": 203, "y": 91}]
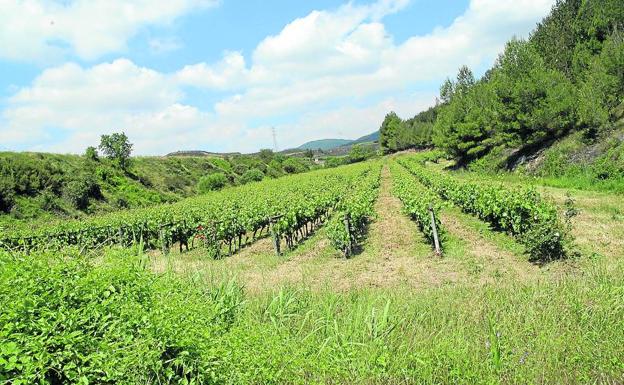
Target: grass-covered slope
[
  {"x": 324, "y": 144},
  {"x": 44, "y": 186}
]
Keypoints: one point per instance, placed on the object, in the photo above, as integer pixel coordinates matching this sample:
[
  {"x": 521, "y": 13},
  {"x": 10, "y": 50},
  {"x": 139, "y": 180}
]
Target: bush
[
  {"x": 360, "y": 153},
  {"x": 78, "y": 191},
  {"x": 253, "y": 175},
  {"x": 211, "y": 182},
  {"x": 240, "y": 168},
  {"x": 335, "y": 162},
  {"x": 294, "y": 166},
  {"x": 67, "y": 320},
  {"x": 7, "y": 195}
]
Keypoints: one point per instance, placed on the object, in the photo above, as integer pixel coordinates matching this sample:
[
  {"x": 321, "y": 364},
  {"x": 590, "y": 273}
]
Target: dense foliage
[
  {"x": 396, "y": 134},
  {"x": 117, "y": 147},
  {"x": 522, "y": 213},
  {"x": 568, "y": 76},
  {"x": 352, "y": 214},
  {"x": 211, "y": 182},
  {"x": 66, "y": 320},
  {"x": 44, "y": 186},
  {"x": 109, "y": 320}
]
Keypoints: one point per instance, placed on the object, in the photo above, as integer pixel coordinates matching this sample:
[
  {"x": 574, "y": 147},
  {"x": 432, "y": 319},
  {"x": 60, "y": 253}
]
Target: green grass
[{"x": 569, "y": 330}]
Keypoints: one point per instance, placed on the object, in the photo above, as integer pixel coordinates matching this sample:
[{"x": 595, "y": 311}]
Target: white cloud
[
  {"x": 45, "y": 30},
  {"x": 85, "y": 103},
  {"x": 327, "y": 74},
  {"x": 229, "y": 73}
]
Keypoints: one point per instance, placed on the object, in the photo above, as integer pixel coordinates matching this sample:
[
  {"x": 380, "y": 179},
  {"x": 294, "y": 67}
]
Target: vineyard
[
  {"x": 395, "y": 270},
  {"x": 289, "y": 208}
]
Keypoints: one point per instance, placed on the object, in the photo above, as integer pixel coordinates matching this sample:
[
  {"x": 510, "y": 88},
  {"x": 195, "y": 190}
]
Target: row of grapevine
[
  {"x": 220, "y": 218},
  {"x": 355, "y": 210},
  {"x": 522, "y": 212},
  {"x": 417, "y": 201}
]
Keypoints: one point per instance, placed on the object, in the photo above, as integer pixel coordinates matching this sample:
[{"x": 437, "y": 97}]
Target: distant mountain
[
  {"x": 374, "y": 137},
  {"x": 329, "y": 144},
  {"x": 324, "y": 144}
]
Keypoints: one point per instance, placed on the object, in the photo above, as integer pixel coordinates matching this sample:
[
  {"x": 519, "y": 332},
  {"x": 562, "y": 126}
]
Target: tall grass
[{"x": 568, "y": 330}]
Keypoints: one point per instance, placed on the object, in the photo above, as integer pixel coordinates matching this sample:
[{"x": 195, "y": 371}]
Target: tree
[
  {"x": 309, "y": 154},
  {"x": 293, "y": 165},
  {"x": 91, "y": 154},
  {"x": 359, "y": 152},
  {"x": 266, "y": 155},
  {"x": 117, "y": 147},
  {"x": 602, "y": 89},
  {"x": 7, "y": 194},
  {"x": 389, "y": 131},
  {"x": 211, "y": 182},
  {"x": 447, "y": 89},
  {"x": 465, "y": 80}
]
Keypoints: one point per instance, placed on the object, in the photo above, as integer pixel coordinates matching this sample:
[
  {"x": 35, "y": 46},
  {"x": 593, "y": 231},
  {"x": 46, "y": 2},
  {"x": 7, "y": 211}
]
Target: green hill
[
  {"x": 48, "y": 186},
  {"x": 324, "y": 144}
]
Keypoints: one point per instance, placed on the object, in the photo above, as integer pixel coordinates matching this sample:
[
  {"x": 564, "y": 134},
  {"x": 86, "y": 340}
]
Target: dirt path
[{"x": 394, "y": 253}]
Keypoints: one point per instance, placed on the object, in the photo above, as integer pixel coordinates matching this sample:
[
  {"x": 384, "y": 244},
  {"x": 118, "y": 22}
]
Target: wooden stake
[
  {"x": 349, "y": 249},
  {"x": 436, "y": 241},
  {"x": 276, "y": 240}
]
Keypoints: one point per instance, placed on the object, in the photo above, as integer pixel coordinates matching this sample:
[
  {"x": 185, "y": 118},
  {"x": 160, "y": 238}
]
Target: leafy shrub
[
  {"x": 253, "y": 175},
  {"x": 78, "y": 191},
  {"x": 293, "y": 165},
  {"x": 240, "y": 168},
  {"x": 416, "y": 201},
  {"x": 357, "y": 207},
  {"x": 67, "y": 320},
  {"x": 211, "y": 182},
  {"x": 522, "y": 213},
  {"x": 7, "y": 195},
  {"x": 48, "y": 201},
  {"x": 335, "y": 162}
]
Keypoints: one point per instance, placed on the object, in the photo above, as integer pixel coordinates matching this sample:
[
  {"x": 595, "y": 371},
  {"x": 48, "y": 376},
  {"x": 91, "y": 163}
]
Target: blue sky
[{"x": 217, "y": 75}]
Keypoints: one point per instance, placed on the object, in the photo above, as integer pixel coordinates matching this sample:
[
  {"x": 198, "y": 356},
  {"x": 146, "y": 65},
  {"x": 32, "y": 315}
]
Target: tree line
[{"x": 567, "y": 76}]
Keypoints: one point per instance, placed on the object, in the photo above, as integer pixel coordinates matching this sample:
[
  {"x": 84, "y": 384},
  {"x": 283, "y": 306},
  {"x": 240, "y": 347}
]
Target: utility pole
[{"x": 274, "y": 139}]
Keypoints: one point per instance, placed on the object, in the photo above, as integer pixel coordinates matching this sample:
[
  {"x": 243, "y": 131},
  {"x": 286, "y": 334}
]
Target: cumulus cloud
[
  {"x": 326, "y": 74},
  {"x": 84, "y": 103},
  {"x": 50, "y": 29},
  {"x": 229, "y": 73}
]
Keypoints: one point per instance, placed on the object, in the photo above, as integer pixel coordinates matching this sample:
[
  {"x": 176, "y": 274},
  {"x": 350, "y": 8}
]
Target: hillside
[
  {"x": 373, "y": 137},
  {"x": 323, "y": 144},
  {"x": 551, "y": 105},
  {"x": 43, "y": 185},
  {"x": 340, "y": 145}
]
